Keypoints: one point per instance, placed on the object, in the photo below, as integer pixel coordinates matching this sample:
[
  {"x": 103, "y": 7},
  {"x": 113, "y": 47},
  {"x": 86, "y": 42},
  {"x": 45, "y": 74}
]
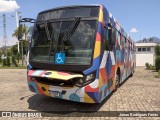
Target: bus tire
[
  {"x": 131, "y": 75},
  {"x": 133, "y": 69},
  {"x": 117, "y": 84}
]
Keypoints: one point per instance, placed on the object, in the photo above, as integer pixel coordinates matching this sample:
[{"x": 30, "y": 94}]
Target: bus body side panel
[
  {"x": 120, "y": 57},
  {"x": 107, "y": 65},
  {"x": 107, "y": 74},
  {"x": 93, "y": 91}
]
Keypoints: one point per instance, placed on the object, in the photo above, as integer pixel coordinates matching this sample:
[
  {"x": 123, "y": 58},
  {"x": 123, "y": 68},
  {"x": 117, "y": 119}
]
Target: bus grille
[{"x": 55, "y": 82}]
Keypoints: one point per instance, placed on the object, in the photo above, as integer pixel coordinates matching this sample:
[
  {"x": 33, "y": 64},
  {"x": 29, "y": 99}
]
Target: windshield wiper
[
  {"x": 39, "y": 27},
  {"x": 49, "y": 37},
  {"x": 47, "y": 31},
  {"x": 71, "y": 30}
]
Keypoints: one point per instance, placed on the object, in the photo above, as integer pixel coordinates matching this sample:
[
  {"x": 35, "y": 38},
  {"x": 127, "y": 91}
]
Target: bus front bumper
[
  {"x": 73, "y": 94},
  {"x": 78, "y": 94}
]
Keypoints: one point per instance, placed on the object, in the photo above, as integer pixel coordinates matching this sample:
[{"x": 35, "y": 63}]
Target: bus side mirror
[{"x": 20, "y": 32}]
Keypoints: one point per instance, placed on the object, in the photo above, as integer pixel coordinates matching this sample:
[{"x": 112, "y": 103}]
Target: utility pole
[
  {"x": 22, "y": 52},
  {"x": 19, "y": 18},
  {"x": 17, "y": 25},
  {"x": 4, "y": 32}
]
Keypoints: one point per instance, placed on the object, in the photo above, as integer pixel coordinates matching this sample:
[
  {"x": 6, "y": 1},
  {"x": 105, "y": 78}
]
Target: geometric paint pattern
[{"x": 105, "y": 64}]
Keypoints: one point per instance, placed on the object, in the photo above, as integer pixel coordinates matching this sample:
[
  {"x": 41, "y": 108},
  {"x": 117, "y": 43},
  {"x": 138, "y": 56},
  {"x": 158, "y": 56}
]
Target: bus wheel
[
  {"x": 131, "y": 75},
  {"x": 117, "y": 84}
]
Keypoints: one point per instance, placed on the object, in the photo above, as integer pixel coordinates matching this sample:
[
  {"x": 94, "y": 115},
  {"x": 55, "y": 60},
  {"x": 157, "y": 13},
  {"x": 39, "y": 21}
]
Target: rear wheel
[
  {"x": 131, "y": 75},
  {"x": 117, "y": 84}
]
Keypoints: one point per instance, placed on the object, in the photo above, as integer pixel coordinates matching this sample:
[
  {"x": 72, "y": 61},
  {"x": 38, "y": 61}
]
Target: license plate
[{"x": 54, "y": 93}]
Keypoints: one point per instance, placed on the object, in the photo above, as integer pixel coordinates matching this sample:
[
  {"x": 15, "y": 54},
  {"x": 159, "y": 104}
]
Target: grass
[{"x": 13, "y": 67}]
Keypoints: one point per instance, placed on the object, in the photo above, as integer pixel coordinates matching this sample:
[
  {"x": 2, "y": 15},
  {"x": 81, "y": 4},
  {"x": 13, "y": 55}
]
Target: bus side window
[
  {"x": 105, "y": 38},
  {"x": 129, "y": 46},
  {"x": 113, "y": 40},
  {"x": 109, "y": 37}
]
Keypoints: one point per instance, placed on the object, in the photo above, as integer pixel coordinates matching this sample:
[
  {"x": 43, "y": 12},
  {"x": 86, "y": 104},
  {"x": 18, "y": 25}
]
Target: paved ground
[{"x": 139, "y": 93}]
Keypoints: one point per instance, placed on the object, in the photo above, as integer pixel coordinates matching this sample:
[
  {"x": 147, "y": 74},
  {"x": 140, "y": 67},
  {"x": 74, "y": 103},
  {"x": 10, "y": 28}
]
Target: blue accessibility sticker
[{"x": 60, "y": 58}]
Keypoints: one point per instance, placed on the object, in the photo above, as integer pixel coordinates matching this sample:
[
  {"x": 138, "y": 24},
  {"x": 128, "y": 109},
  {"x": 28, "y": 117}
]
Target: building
[{"x": 145, "y": 53}]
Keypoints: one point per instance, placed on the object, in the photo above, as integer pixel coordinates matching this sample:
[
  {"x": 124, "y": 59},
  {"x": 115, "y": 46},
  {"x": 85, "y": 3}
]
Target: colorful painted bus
[{"x": 79, "y": 53}]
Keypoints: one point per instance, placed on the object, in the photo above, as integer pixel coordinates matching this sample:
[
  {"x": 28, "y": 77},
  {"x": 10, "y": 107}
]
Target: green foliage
[
  {"x": 157, "y": 50},
  {"x": 151, "y": 39},
  {"x": 144, "y": 39},
  {"x": 9, "y": 53},
  {"x": 4, "y": 62},
  {"x": 14, "y": 49},
  {"x": 157, "y": 60},
  {"x": 152, "y": 67},
  {"x": 14, "y": 61},
  {"x": 26, "y": 31},
  {"x": 8, "y": 61},
  {"x": 25, "y": 47},
  {"x": 0, "y": 59},
  {"x": 157, "y": 63},
  {"x": 147, "y": 65},
  {"x": 18, "y": 56},
  {"x": 158, "y": 76}
]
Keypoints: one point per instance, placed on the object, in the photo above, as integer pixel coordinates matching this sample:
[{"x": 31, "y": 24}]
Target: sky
[{"x": 139, "y": 18}]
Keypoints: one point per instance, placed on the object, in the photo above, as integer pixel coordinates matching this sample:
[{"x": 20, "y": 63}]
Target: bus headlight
[
  {"x": 90, "y": 77},
  {"x": 80, "y": 82}
]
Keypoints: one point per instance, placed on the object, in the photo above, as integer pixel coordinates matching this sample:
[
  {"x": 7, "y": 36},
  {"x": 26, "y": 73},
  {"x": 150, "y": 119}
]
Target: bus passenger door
[{"x": 108, "y": 46}]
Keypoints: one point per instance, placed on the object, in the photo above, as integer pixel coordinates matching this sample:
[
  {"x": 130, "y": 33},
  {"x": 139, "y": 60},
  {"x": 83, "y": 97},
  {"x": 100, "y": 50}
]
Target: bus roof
[
  {"x": 114, "y": 22},
  {"x": 71, "y": 6}
]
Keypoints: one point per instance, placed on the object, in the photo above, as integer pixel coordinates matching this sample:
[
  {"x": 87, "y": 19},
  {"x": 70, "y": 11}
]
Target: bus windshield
[{"x": 74, "y": 38}]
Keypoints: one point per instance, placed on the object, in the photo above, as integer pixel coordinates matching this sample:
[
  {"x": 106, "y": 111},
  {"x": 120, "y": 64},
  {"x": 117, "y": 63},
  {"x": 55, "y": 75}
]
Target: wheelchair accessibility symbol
[{"x": 60, "y": 58}]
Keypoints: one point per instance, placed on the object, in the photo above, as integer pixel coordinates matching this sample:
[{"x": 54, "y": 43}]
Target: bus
[{"x": 79, "y": 53}]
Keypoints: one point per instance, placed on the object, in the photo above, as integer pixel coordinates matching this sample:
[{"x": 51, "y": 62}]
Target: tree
[
  {"x": 157, "y": 60},
  {"x": 18, "y": 56},
  {"x": 0, "y": 59},
  {"x": 15, "y": 33},
  {"x": 8, "y": 61},
  {"x": 26, "y": 31},
  {"x": 157, "y": 50},
  {"x": 14, "y": 61},
  {"x": 3, "y": 51},
  {"x": 14, "y": 49},
  {"x": 9, "y": 52},
  {"x": 151, "y": 39},
  {"x": 4, "y": 62},
  {"x": 157, "y": 63},
  {"x": 144, "y": 39}
]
